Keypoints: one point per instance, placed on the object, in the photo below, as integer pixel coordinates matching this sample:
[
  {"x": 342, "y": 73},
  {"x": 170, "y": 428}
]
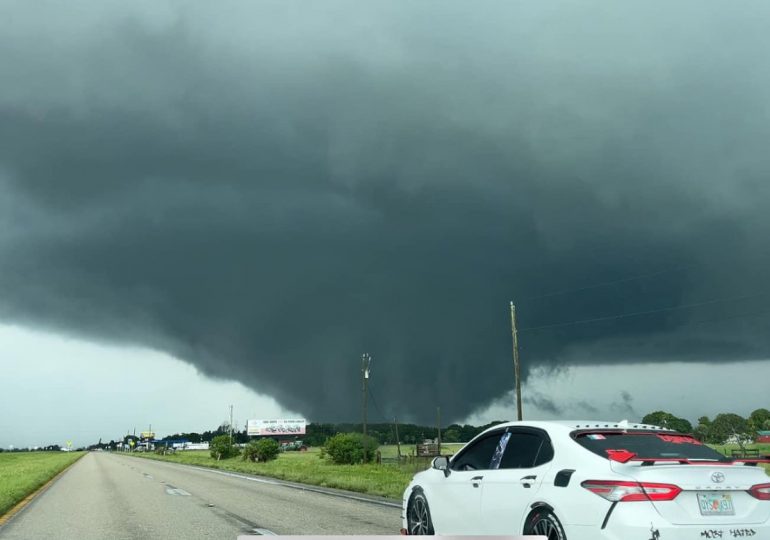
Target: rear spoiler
[{"x": 626, "y": 456}]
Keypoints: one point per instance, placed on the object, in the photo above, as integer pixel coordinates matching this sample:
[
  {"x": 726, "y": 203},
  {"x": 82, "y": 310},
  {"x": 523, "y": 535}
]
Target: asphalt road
[{"x": 109, "y": 496}]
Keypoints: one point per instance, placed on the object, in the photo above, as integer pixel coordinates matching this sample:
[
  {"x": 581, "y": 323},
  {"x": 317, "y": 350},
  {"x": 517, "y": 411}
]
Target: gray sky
[{"x": 265, "y": 190}]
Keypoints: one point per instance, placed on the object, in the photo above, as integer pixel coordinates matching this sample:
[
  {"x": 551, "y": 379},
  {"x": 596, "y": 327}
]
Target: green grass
[
  {"x": 387, "y": 480},
  {"x": 21, "y": 473},
  {"x": 391, "y": 451},
  {"x": 726, "y": 449}
]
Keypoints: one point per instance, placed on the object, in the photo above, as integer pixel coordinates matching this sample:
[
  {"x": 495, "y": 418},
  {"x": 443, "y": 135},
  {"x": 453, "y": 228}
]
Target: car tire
[
  {"x": 418, "y": 518},
  {"x": 545, "y": 523}
]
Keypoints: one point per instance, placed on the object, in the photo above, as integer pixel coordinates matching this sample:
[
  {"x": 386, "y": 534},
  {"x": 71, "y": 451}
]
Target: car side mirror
[{"x": 441, "y": 463}]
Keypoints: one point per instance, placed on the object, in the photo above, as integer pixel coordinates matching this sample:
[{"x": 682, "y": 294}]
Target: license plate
[{"x": 716, "y": 504}]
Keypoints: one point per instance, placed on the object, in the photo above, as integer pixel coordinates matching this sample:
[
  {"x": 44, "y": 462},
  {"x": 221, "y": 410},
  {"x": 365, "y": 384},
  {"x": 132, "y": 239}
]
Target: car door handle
[
  {"x": 476, "y": 480},
  {"x": 527, "y": 480}
]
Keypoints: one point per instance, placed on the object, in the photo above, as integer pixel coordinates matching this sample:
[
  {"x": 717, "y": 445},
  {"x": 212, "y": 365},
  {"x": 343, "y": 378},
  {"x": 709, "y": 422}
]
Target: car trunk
[{"x": 711, "y": 494}]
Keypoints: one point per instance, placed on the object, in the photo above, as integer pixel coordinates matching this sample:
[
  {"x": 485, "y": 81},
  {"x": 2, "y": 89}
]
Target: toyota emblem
[{"x": 717, "y": 477}]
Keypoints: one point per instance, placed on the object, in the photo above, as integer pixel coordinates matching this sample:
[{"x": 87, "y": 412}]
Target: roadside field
[
  {"x": 387, "y": 479},
  {"x": 21, "y": 473},
  {"x": 390, "y": 451},
  {"x": 727, "y": 449}
]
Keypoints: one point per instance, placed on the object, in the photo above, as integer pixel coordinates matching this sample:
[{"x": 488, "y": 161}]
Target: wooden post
[{"x": 516, "y": 363}]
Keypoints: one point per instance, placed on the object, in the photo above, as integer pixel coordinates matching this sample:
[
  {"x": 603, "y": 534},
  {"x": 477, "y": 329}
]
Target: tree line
[
  {"x": 713, "y": 431},
  {"x": 384, "y": 433},
  {"x": 722, "y": 428}
]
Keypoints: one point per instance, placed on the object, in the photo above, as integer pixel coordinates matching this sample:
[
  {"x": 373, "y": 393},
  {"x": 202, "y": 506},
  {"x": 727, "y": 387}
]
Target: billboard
[{"x": 294, "y": 426}]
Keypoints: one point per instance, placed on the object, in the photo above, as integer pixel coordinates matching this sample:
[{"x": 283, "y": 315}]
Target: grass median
[
  {"x": 21, "y": 473},
  {"x": 386, "y": 480}
]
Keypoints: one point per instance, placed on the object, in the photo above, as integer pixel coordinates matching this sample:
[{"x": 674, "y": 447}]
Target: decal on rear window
[{"x": 679, "y": 439}]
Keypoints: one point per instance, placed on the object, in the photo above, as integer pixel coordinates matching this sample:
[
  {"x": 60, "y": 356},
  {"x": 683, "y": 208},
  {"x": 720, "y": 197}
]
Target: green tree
[
  {"x": 350, "y": 448},
  {"x": 758, "y": 419},
  {"x": 220, "y": 448},
  {"x": 701, "y": 430},
  {"x": 451, "y": 435},
  {"x": 261, "y": 450},
  {"x": 725, "y": 426},
  {"x": 668, "y": 420}
]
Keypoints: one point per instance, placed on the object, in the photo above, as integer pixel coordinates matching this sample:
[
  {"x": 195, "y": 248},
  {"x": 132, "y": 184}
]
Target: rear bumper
[
  {"x": 682, "y": 532},
  {"x": 643, "y": 522}
]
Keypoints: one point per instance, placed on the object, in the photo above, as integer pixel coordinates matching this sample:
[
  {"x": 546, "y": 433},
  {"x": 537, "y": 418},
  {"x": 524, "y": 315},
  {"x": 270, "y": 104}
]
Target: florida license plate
[{"x": 714, "y": 503}]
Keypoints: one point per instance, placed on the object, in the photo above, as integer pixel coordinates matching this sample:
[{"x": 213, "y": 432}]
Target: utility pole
[
  {"x": 438, "y": 427},
  {"x": 366, "y": 362},
  {"x": 516, "y": 363},
  {"x": 398, "y": 442},
  {"x": 231, "y": 425}
]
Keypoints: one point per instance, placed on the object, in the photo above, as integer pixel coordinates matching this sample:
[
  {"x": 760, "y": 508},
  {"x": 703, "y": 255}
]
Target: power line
[
  {"x": 640, "y": 313},
  {"x": 376, "y": 407},
  {"x": 607, "y": 283},
  {"x": 728, "y": 318}
]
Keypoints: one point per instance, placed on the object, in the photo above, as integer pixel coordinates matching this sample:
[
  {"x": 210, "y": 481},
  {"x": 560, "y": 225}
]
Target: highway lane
[{"x": 119, "y": 497}]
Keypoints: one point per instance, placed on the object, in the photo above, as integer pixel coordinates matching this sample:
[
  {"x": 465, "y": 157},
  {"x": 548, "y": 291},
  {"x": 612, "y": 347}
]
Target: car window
[
  {"x": 478, "y": 455},
  {"x": 650, "y": 444},
  {"x": 546, "y": 453},
  {"x": 526, "y": 450}
]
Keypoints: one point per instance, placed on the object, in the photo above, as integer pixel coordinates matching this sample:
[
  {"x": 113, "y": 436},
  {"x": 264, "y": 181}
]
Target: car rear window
[{"x": 661, "y": 445}]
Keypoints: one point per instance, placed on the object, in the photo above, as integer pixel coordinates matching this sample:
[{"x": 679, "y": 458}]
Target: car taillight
[
  {"x": 619, "y": 491},
  {"x": 761, "y": 492}
]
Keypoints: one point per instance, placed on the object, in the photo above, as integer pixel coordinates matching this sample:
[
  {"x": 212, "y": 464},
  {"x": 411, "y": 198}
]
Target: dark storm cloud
[
  {"x": 268, "y": 190},
  {"x": 625, "y": 406},
  {"x": 540, "y": 402},
  {"x": 586, "y": 406}
]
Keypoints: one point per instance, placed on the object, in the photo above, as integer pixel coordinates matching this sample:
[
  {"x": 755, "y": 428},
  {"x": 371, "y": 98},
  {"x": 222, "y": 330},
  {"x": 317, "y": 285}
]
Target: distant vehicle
[
  {"x": 589, "y": 481},
  {"x": 293, "y": 445}
]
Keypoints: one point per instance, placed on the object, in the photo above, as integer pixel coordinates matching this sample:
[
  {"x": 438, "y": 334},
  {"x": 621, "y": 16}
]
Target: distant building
[
  {"x": 739, "y": 439},
  {"x": 763, "y": 437},
  {"x": 197, "y": 446}
]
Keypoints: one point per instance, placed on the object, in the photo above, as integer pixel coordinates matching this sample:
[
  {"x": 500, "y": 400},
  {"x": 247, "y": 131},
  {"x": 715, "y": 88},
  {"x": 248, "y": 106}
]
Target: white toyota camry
[{"x": 589, "y": 481}]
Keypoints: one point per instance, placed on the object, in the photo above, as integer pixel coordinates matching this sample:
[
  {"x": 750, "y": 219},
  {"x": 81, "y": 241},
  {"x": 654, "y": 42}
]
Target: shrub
[
  {"x": 349, "y": 448},
  {"x": 221, "y": 448},
  {"x": 261, "y": 450}
]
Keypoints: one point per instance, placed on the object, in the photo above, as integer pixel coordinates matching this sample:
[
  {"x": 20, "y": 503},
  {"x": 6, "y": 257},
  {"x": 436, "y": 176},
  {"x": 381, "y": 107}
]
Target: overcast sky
[{"x": 259, "y": 192}]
